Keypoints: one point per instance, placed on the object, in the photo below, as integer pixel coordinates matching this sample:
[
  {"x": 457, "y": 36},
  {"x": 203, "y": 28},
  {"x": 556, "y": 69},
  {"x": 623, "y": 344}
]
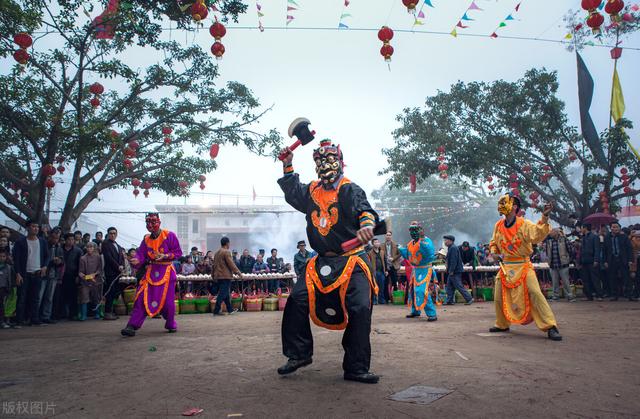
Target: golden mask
[{"x": 505, "y": 205}]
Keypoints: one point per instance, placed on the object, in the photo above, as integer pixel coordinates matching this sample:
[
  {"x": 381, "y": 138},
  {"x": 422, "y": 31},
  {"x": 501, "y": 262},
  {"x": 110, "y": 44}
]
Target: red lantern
[
  {"x": 386, "y": 51},
  {"x": 146, "y": 185},
  {"x": 625, "y": 177},
  {"x": 61, "y": 169},
  {"x": 183, "y": 184},
  {"x": 616, "y": 53},
  {"x": 489, "y": 179},
  {"x": 625, "y": 183},
  {"x": 217, "y": 30},
  {"x": 513, "y": 176},
  {"x": 440, "y": 158},
  {"x": 444, "y": 175},
  {"x": 634, "y": 202},
  {"x": 127, "y": 163},
  {"x": 213, "y": 151},
  {"x": 167, "y": 130},
  {"x": 136, "y": 192},
  {"x": 627, "y": 189},
  {"x": 590, "y": 5},
  {"x": 202, "y": 178},
  {"x": 114, "y": 146},
  {"x": 526, "y": 168},
  {"x": 202, "y": 186},
  {"x": 21, "y": 56},
  {"x": 146, "y": 193},
  {"x": 114, "y": 134},
  {"x": 96, "y": 89},
  {"x": 442, "y": 167},
  {"x": 133, "y": 144},
  {"x": 533, "y": 196},
  {"x": 199, "y": 10},
  {"x": 385, "y": 34},
  {"x": 594, "y": 21},
  {"x": 624, "y": 171},
  {"x": 135, "y": 182},
  {"x": 95, "y": 102},
  {"x": 613, "y": 8},
  {"x": 49, "y": 183},
  {"x": 217, "y": 49},
  {"x": 515, "y": 191},
  {"x": 491, "y": 187},
  {"x": 410, "y": 5},
  {"x": 60, "y": 159},
  {"x": 49, "y": 170},
  {"x": 167, "y": 140},
  {"x": 546, "y": 168},
  {"x": 23, "y": 40}
]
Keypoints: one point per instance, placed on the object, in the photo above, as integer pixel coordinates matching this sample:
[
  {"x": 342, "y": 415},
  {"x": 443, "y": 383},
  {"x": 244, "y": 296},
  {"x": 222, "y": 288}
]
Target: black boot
[
  {"x": 128, "y": 331},
  {"x": 554, "y": 334},
  {"x": 367, "y": 377},
  {"x": 293, "y": 364},
  {"x": 412, "y": 315},
  {"x": 498, "y": 330}
]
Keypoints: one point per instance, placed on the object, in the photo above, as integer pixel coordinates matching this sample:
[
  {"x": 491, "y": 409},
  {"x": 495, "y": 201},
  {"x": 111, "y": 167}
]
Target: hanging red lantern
[
  {"x": 441, "y": 158},
  {"x": 49, "y": 183},
  {"x": 489, "y": 179},
  {"x": 217, "y": 49},
  {"x": 442, "y": 167},
  {"x": 627, "y": 189},
  {"x": 513, "y": 176},
  {"x": 167, "y": 140},
  {"x": 625, "y": 177},
  {"x": 202, "y": 186},
  {"x": 95, "y": 102},
  {"x": 634, "y": 202},
  {"x": 385, "y": 34},
  {"x": 213, "y": 151},
  {"x": 199, "y": 10},
  {"x": 21, "y": 56},
  {"x": 624, "y": 170},
  {"x": 413, "y": 182},
  {"x": 625, "y": 183},
  {"x": 49, "y": 170},
  {"x": 146, "y": 185},
  {"x": 613, "y": 9},
  {"x": 441, "y": 149},
  {"x": 594, "y": 21},
  {"x": 114, "y": 134},
  {"x": 134, "y": 145},
  {"x": 167, "y": 130},
  {"x": 515, "y": 191},
  {"x": 23, "y": 40},
  {"x": 96, "y": 88},
  {"x": 410, "y": 5},
  {"x": 202, "y": 178},
  {"x": 114, "y": 146},
  {"x": 546, "y": 168},
  {"x": 533, "y": 196},
  {"x": 526, "y": 168},
  {"x": 590, "y": 5},
  {"x": 386, "y": 51},
  {"x": 183, "y": 184},
  {"x": 129, "y": 152},
  {"x": 136, "y": 192},
  {"x": 444, "y": 175},
  {"x": 514, "y": 185},
  {"x": 127, "y": 163},
  {"x": 59, "y": 159},
  {"x": 146, "y": 193},
  {"x": 61, "y": 169},
  {"x": 135, "y": 182},
  {"x": 491, "y": 187},
  {"x": 217, "y": 30}
]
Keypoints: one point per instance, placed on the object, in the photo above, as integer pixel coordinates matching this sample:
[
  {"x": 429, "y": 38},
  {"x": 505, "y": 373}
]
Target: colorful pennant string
[
  {"x": 344, "y": 15},
  {"x": 510, "y": 16},
  {"x": 466, "y": 18},
  {"x": 260, "y": 16},
  {"x": 291, "y": 7},
  {"x": 421, "y": 14}
]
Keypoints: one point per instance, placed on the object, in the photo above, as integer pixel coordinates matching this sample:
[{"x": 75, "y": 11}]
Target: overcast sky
[{"x": 339, "y": 81}]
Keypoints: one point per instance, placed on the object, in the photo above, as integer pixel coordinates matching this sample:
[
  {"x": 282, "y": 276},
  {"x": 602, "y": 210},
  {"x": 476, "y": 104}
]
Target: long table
[{"x": 289, "y": 276}]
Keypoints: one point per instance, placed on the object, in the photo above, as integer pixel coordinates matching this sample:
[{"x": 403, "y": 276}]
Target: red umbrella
[{"x": 599, "y": 218}]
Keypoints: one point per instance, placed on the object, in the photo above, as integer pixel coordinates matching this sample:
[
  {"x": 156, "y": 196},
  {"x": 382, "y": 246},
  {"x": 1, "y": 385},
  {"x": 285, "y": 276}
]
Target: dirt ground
[{"x": 226, "y": 366}]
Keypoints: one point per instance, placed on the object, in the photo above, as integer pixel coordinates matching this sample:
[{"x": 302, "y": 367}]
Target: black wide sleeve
[
  {"x": 295, "y": 193},
  {"x": 354, "y": 202}
]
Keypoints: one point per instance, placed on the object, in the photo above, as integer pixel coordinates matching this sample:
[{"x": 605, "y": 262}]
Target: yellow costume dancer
[{"x": 518, "y": 298}]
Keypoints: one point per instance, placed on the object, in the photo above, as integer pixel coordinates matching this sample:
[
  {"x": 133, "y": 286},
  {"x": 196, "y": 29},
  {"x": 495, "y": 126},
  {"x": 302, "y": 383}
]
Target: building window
[
  {"x": 183, "y": 228},
  {"x": 194, "y": 226}
]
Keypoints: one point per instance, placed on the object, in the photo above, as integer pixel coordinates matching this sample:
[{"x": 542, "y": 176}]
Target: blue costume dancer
[{"x": 420, "y": 253}]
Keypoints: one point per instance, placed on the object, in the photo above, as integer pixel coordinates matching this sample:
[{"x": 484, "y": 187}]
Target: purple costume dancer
[{"x": 156, "y": 291}]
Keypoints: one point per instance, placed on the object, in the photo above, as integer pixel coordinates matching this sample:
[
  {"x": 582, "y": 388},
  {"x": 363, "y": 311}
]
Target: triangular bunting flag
[
  {"x": 518, "y": 7},
  {"x": 289, "y": 18},
  {"x": 502, "y": 25},
  {"x": 290, "y": 8},
  {"x": 454, "y": 33},
  {"x": 465, "y": 17},
  {"x": 418, "y": 22},
  {"x": 460, "y": 25},
  {"x": 342, "y": 16},
  {"x": 568, "y": 36},
  {"x": 494, "y": 35},
  {"x": 260, "y": 14},
  {"x": 474, "y": 6},
  {"x": 428, "y": 3},
  {"x": 346, "y": 3},
  {"x": 342, "y": 26},
  {"x": 259, "y": 7},
  {"x": 293, "y": 2},
  {"x": 509, "y": 18},
  {"x": 421, "y": 14}
]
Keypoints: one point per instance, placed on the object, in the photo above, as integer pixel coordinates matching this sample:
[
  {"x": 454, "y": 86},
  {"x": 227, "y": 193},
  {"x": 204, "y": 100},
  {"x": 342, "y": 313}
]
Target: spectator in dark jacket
[
  {"x": 72, "y": 255},
  {"x": 454, "y": 272},
  {"x": 246, "y": 262},
  {"x": 619, "y": 254},
  {"x": 276, "y": 265},
  {"x": 589, "y": 263},
  {"x": 54, "y": 274},
  {"x": 30, "y": 257},
  {"x": 113, "y": 266}
]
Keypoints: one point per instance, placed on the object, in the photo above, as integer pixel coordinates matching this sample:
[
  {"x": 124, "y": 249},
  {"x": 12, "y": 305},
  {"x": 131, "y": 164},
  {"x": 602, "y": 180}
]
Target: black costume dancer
[{"x": 336, "y": 289}]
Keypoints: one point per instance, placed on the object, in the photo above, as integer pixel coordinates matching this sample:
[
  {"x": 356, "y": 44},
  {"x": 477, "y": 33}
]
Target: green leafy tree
[
  {"x": 46, "y": 113},
  {"x": 507, "y": 130}
]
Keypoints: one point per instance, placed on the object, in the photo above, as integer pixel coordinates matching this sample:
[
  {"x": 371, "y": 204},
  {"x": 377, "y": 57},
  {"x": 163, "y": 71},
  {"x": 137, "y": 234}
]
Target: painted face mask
[
  {"x": 415, "y": 231},
  {"x": 328, "y": 159},
  {"x": 505, "y": 204},
  {"x": 153, "y": 222}
]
